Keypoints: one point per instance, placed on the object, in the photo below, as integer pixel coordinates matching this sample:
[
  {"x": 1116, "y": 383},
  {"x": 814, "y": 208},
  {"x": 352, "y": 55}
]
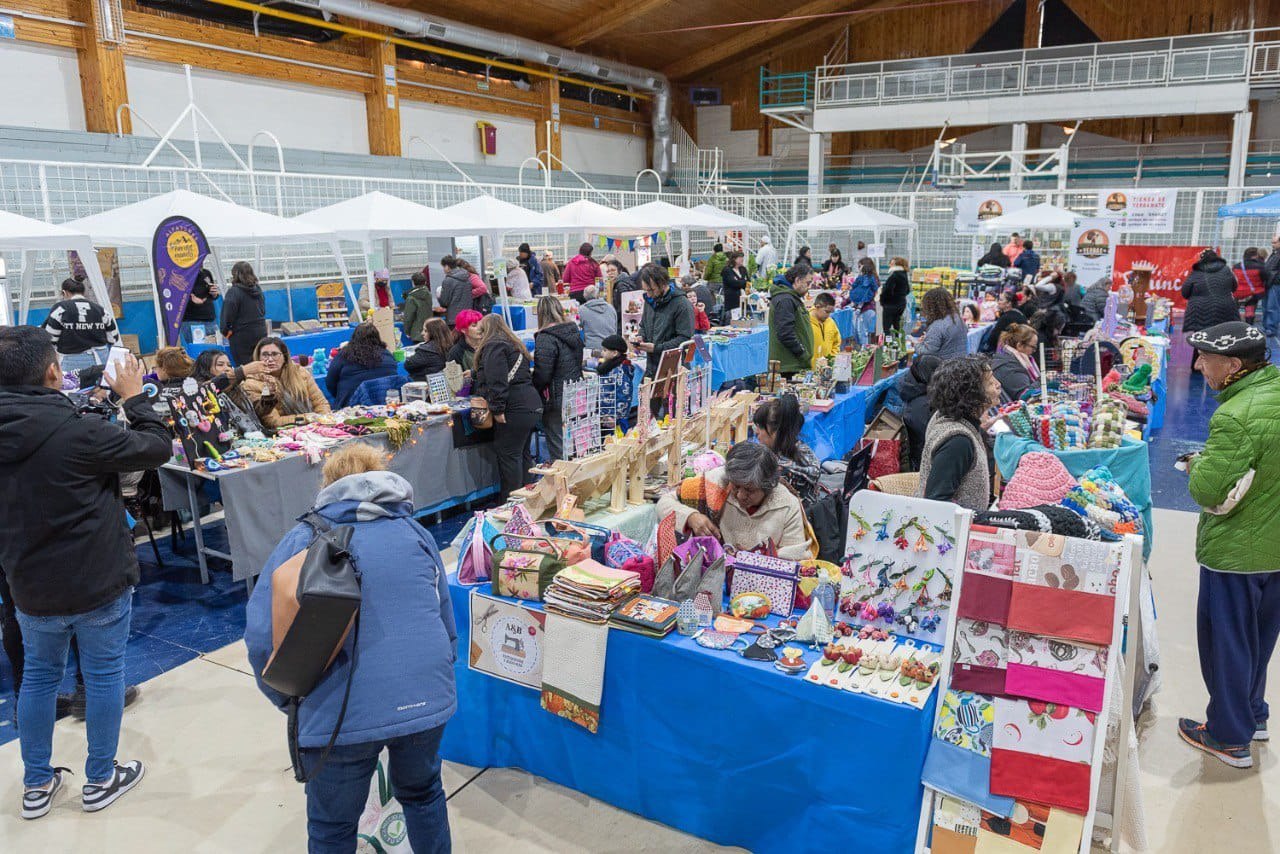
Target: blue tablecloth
[
  {"x": 742, "y": 357},
  {"x": 713, "y": 744},
  {"x": 833, "y": 434},
  {"x": 975, "y": 336},
  {"x": 299, "y": 345},
  {"x": 1130, "y": 464},
  {"x": 844, "y": 321}
]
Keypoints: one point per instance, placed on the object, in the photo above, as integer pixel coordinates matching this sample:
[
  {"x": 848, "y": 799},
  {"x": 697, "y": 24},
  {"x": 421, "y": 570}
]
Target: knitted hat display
[
  {"x": 1100, "y": 498},
  {"x": 1040, "y": 478}
]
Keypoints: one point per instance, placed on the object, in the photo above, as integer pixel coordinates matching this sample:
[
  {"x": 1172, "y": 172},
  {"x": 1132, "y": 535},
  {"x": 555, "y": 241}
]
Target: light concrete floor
[{"x": 218, "y": 781}]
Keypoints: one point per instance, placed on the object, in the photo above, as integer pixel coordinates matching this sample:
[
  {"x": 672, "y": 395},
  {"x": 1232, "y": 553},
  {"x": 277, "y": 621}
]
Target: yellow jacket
[{"x": 826, "y": 338}]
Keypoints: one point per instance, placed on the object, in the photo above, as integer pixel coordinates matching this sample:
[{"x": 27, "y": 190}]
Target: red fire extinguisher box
[{"x": 488, "y": 138}]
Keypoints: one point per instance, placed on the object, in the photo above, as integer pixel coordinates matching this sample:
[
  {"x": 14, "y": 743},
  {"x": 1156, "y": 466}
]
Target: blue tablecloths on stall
[
  {"x": 1130, "y": 464},
  {"x": 299, "y": 345},
  {"x": 740, "y": 357},
  {"x": 833, "y": 434},
  {"x": 974, "y": 337},
  {"x": 724, "y": 748},
  {"x": 844, "y": 319}
]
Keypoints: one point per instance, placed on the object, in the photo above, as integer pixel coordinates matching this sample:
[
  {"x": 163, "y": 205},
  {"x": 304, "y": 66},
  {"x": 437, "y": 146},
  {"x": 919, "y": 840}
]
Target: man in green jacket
[
  {"x": 1236, "y": 481},
  {"x": 417, "y": 307},
  {"x": 790, "y": 331},
  {"x": 713, "y": 273}
]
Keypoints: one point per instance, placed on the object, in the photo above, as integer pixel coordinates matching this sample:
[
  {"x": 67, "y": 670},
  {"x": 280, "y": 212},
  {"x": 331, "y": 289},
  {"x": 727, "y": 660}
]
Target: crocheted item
[
  {"x": 1046, "y": 518},
  {"x": 702, "y": 493},
  {"x": 1139, "y": 381},
  {"x": 1040, "y": 478},
  {"x": 1136, "y": 407},
  {"x": 1107, "y": 429},
  {"x": 1100, "y": 498}
]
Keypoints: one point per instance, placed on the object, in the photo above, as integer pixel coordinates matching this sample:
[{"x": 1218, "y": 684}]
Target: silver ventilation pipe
[{"x": 513, "y": 47}]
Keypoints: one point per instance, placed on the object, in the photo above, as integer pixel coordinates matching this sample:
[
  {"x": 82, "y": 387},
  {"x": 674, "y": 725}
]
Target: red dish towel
[
  {"x": 1051, "y": 612},
  {"x": 985, "y": 598},
  {"x": 1031, "y": 777}
]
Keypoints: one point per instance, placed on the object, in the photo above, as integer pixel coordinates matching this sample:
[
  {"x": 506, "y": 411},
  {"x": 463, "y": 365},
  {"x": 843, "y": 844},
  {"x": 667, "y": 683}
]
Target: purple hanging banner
[{"x": 177, "y": 252}]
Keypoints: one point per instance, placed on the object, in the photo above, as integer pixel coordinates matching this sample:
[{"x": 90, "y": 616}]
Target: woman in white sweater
[{"x": 742, "y": 504}]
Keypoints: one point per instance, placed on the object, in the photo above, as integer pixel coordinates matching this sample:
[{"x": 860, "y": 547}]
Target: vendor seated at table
[
  {"x": 431, "y": 355},
  {"x": 286, "y": 391},
  {"x": 364, "y": 357},
  {"x": 214, "y": 367},
  {"x": 172, "y": 366},
  {"x": 747, "y": 504},
  {"x": 778, "y": 422}
]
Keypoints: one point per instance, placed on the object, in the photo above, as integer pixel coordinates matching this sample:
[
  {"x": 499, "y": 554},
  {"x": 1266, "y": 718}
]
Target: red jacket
[{"x": 580, "y": 272}]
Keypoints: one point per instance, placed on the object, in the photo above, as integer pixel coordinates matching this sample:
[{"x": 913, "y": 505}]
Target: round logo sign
[
  {"x": 182, "y": 249},
  {"x": 1117, "y": 202},
  {"x": 515, "y": 645}
]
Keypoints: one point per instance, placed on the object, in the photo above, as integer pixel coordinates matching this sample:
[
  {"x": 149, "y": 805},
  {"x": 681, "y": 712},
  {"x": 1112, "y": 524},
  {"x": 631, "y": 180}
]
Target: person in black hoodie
[
  {"x": 913, "y": 388},
  {"x": 244, "y": 313},
  {"x": 68, "y": 553},
  {"x": 734, "y": 279},
  {"x": 894, "y": 293},
  {"x": 504, "y": 379},
  {"x": 557, "y": 359},
  {"x": 1209, "y": 290},
  {"x": 201, "y": 310}
]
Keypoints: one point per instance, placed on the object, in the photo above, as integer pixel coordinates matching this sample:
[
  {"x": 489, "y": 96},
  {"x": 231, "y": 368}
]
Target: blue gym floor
[{"x": 176, "y": 618}]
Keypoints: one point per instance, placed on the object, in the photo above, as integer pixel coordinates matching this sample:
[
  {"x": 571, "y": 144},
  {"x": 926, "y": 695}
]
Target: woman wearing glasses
[{"x": 286, "y": 391}]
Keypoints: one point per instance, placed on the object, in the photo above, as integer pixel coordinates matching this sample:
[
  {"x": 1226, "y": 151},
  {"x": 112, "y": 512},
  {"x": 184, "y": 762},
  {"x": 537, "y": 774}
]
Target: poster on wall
[
  {"x": 1139, "y": 210},
  {"x": 109, "y": 264},
  {"x": 178, "y": 250},
  {"x": 506, "y": 640},
  {"x": 1169, "y": 267},
  {"x": 973, "y": 209},
  {"x": 1093, "y": 249}
]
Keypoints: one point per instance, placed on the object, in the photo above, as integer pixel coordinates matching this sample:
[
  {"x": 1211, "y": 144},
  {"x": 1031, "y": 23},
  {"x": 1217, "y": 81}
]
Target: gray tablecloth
[{"x": 263, "y": 502}]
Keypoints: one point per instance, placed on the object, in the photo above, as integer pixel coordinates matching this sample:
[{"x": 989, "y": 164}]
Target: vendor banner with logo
[
  {"x": 1139, "y": 210},
  {"x": 973, "y": 209},
  {"x": 178, "y": 251},
  {"x": 1169, "y": 267},
  {"x": 1093, "y": 249}
]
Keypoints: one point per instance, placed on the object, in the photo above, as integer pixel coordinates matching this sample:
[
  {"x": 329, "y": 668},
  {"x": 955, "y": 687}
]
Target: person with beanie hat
[
  {"x": 532, "y": 269},
  {"x": 1236, "y": 481},
  {"x": 615, "y": 367}
]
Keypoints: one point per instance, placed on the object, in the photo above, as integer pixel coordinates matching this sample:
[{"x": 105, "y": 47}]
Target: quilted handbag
[
  {"x": 476, "y": 557},
  {"x": 594, "y": 536},
  {"x": 772, "y": 576},
  {"x": 523, "y": 575},
  {"x": 619, "y": 549}
]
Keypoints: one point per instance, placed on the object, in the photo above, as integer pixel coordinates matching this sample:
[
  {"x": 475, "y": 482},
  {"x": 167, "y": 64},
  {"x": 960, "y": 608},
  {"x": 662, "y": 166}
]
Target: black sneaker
[
  {"x": 66, "y": 704},
  {"x": 79, "y": 703},
  {"x": 38, "y": 802},
  {"x": 99, "y": 796}
]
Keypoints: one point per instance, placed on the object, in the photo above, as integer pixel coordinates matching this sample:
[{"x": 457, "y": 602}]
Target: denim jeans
[
  {"x": 1271, "y": 320},
  {"x": 101, "y": 635},
  {"x": 337, "y": 794},
  {"x": 80, "y": 361}
]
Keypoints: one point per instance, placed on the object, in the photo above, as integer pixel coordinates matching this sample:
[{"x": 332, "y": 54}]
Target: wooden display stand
[{"x": 1140, "y": 281}]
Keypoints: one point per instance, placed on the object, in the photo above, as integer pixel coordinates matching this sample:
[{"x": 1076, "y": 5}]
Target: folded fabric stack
[
  {"x": 1100, "y": 498},
  {"x": 590, "y": 591}
]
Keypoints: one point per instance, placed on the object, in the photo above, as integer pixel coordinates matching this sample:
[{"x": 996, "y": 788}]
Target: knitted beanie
[
  {"x": 1040, "y": 478},
  {"x": 1100, "y": 498}
]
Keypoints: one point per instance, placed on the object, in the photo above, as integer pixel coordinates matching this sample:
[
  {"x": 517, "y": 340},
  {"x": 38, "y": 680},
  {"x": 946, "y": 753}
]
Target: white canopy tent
[
  {"x": 487, "y": 216},
  {"x": 29, "y": 236},
  {"x": 733, "y": 221},
  {"x": 380, "y": 216},
  {"x": 852, "y": 217},
  {"x": 589, "y": 217},
  {"x": 660, "y": 216},
  {"x": 223, "y": 224},
  {"x": 1042, "y": 217}
]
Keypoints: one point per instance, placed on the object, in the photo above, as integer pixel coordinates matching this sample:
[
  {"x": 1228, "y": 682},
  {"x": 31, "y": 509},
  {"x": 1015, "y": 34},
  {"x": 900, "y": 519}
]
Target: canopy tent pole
[
  {"x": 6, "y": 310},
  {"x": 222, "y": 280},
  {"x": 336, "y": 247},
  {"x": 496, "y": 238},
  {"x": 24, "y": 284},
  {"x": 89, "y": 258},
  {"x": 162, "y": 340}
]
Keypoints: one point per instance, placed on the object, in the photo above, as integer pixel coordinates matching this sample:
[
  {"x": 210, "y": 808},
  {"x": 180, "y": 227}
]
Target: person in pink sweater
[{"x": 581, "y": 271}]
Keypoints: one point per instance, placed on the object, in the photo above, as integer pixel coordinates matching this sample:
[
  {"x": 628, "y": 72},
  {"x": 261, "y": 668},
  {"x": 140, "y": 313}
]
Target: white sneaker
[
  {"x": 99, "y": 796},
  {"x": 38, "y": 802},
  {"x": 1261, "y": 734}
]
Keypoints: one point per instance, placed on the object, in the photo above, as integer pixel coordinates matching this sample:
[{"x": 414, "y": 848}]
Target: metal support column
[
  {"x": 816, "y": 177},
  {"x": 1017, "y": 157},
  {"x": 1241, "y": 131}
]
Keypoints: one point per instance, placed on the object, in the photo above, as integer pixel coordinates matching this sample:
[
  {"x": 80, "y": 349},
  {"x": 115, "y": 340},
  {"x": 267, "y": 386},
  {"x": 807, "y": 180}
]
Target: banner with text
[
  {"x": 1093, "y": 249},
  {"x": 972, "y": 209},
  {"x": 1139, "y": 210},
  {"x": 178, "y": 251},
  {"x": 1169, "y": 267}
]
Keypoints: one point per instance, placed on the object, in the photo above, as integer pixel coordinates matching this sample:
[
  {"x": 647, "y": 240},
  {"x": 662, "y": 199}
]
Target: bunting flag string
[{"x": 613, "y": 244}]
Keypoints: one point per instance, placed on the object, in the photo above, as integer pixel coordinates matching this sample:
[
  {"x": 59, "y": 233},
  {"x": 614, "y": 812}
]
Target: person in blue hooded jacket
[{"x": 402, "y": 690}]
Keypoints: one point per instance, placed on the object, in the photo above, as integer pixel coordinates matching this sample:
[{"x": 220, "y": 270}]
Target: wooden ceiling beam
[
  {"x": 603, "y": 23},
  {"x": 751, "y": 38}
]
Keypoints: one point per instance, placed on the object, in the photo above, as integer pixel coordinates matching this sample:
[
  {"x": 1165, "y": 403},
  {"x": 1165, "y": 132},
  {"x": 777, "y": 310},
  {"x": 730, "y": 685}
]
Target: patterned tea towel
[{"x": 573, "y": 675}]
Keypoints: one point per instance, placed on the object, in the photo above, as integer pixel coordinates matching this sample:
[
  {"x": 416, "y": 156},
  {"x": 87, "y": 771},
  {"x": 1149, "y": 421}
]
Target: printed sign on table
[
  {"x": 1139, "y": 210},
  {"x": 1093, "y": 249},
  {"x": 1170, "y": 267},
  {"x": 973, "y": 209},
  {"x": 506, "y": 640}
]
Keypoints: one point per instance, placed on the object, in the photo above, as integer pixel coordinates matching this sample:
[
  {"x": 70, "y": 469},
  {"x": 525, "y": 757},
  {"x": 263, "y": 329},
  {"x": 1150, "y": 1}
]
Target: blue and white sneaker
[
  {"x": 99, "y": 796},
  {"x": 1197, "y": 735},
  {"x": 1260, "y": 731},
  {"x": 37, "y": 802}
]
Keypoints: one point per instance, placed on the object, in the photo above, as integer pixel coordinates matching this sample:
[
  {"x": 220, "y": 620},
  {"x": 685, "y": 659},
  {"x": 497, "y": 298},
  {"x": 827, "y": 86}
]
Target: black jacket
[
  {"x": 733, "y": 279},
  {"x": 200, "y": 312},
  {"x": 667, "y": 324},
  {"x": 427, "y": 359},
  {"x": 1014, "y": 379},
  {"x": 557, "y": 359},
  {"x": 1094, "y": 301},
  {"x": 916, "y": 412},
  {"x": 991, "y": 338},
  {"x": 1209, "y": 290},
  {"x": 494, "y": 365},
  {"x": 77, "y": 325},
  {"x": 244, "y": 307},
  {"x": 995, "y": 257},
  {"x": 455, "y": 294},
  {"x": 625, "y": 283},
  {"x": 894, "y": 293},
  {"x": 1271, "y": 271},
  {"x": 461, "y": 353},
  {"x": 66, "y": 547}
]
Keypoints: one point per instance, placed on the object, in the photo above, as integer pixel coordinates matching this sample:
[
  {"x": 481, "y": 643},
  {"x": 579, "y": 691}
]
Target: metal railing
[
  {"x": 1246, "y": 55},
  {"x": 791, "y": 91}
]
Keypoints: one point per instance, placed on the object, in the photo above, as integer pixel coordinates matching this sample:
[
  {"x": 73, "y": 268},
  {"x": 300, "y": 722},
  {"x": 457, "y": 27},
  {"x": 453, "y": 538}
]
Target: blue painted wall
[{"x": 140, "y": 315}]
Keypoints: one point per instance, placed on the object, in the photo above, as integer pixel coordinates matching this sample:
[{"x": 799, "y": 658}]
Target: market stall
[
  {"x": 852, "y": 218},
  {"x": 224, "y": 225},
  {"x": 28, "y": 236},
  {"x": 675, "y": 218},
  {"x": 1038, "y": 219}
]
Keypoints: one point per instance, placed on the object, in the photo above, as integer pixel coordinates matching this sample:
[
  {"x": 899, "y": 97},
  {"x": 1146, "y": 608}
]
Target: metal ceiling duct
[{"x": 512, "y": 47}]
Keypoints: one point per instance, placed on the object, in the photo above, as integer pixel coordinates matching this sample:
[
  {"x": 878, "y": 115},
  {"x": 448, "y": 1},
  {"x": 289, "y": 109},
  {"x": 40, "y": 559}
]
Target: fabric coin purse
[{"x": 712, "y": 639}]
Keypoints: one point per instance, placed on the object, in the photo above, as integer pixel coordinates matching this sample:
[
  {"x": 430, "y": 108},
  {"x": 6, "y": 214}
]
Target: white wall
[
  {"x": 586, "y": 150},
  {"x": 49, "y": 83},
  {"x": 454, "y": 133},
  {"x": 239, "y": 106}
]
